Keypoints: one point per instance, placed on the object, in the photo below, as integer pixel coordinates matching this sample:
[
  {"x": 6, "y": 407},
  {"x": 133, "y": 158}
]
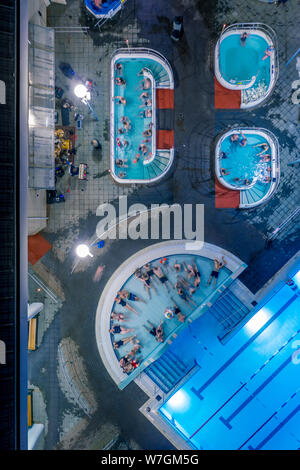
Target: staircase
[
  {"x": 158, "y": 165},
  {"x": 229, "y": 311},
  {"x": 167, "y": 371},
  {"x": 254, "y": 194},
  {"x": 160, "y": 74}
]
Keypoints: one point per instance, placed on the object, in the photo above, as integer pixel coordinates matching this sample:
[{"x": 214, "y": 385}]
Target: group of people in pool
[
  {"x": 265, "y": 158},
  {"x": 268, "y": 52},
  {"x": 125, "y": 121},
  {"x": 188, "y": 280}
]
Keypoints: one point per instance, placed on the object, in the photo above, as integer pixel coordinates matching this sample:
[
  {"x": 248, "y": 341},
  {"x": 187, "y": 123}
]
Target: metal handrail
[{"x": 144, "y": 50}]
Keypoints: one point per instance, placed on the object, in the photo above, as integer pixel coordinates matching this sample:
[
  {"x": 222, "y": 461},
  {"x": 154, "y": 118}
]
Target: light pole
[
  {"x": 83, "y": 251},
  {"x": 82, "y": 92}
]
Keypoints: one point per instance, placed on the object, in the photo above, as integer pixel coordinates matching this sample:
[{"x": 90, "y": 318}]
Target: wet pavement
[{"x": 191, "y": 180}]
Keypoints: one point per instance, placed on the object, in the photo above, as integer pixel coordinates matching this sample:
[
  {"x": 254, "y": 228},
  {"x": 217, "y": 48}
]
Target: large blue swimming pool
[
  {"x": 246, "y": 394},
  {"x": 239, "y": 63}
]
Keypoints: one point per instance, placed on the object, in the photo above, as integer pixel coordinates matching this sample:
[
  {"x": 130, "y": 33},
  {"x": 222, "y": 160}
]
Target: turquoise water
[
  {"x": 246, "y": 395},
  {"x": 243, "y": 162},
  {"x": 154, "y": 308},
  {"x": 132, "y": 109},
  {"x": 240, "y": 63}
]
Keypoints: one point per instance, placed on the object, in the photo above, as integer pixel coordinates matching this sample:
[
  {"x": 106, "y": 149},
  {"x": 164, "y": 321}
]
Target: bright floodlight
[
  {"x": 83, "y": 251},
  {"x": 80, "y": 91},
  {"x": 179, "y": 401}
]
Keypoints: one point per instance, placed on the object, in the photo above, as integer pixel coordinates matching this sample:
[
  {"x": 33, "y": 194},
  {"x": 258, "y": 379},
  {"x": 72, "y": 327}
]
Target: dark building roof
[{"x": 12, "y": 236}]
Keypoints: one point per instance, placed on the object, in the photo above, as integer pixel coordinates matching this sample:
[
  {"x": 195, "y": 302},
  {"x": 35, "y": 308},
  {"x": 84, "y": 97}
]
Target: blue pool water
[
  {"x": 154, "y": 308},
  {"x": 240, "y": 63},
  {"x": 243, "y": 162},
  {"x": 132, "y": 110},
  {"x": 246, "y": 394}
]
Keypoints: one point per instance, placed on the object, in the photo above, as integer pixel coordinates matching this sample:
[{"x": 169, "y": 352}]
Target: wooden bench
[{"x": 32, "y": 331}]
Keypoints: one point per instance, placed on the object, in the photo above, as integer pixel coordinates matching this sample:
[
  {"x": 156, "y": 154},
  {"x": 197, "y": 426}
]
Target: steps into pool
[
  {"x": 254, "y": 194},
  {"x": 167, "y": 371},
  {"x": 158, "y": 165},
  {"x": 229, "y": 311}
]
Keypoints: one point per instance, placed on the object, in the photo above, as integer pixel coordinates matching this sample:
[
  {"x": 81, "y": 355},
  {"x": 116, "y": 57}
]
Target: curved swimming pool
[
  {"x": 246, "y": 60},
  {"x": 135, "y": 78},
  {"x": 247, "y": 160}
]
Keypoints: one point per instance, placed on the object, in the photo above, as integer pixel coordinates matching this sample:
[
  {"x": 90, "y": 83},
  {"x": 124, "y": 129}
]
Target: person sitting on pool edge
[{"x": 215, "y": 272}]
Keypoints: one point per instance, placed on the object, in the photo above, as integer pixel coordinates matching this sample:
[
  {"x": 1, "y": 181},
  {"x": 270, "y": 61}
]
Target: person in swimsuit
[
  {"x": 243, "y": 38},
  {"x": 120, "y": 100},
  {"x": 182, "y": 282},
  {"x": 197, "y": 279},
  {"x": 124, "y": 294},
  {"x": 117, "y": 329},
  {"x": 268, "y": 52},
  {"x": 224, "y": 172},
  {"x": 117, "y": 316},
  {"x": 158, "y": 332},
  {"x": 243, "y": 141},
  {"x": 189, "y": 270},
  {"x": 119, "y": 67},
  {"x": 179, "y": 315},
  {"x": 120, "y": 81},
  {"x": 131, "y": 355},
  {"x": 149, "y": 270},
  {"x": 215, "y": 272},
  {"x": 146, "y": 84},
  {"x": 265, "y": 147},
  {"x": 124, "y": 304},
  {"x": 144, "y": 95},
  {"x": 164, "y": 262},
  {"x": 121, "y": 342},
  {"x": 182, "y": 294},
  {"x": 121, "y": 163},
  {"x": 177, "y": 266},
  {"x": 162, "y": 277}
]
